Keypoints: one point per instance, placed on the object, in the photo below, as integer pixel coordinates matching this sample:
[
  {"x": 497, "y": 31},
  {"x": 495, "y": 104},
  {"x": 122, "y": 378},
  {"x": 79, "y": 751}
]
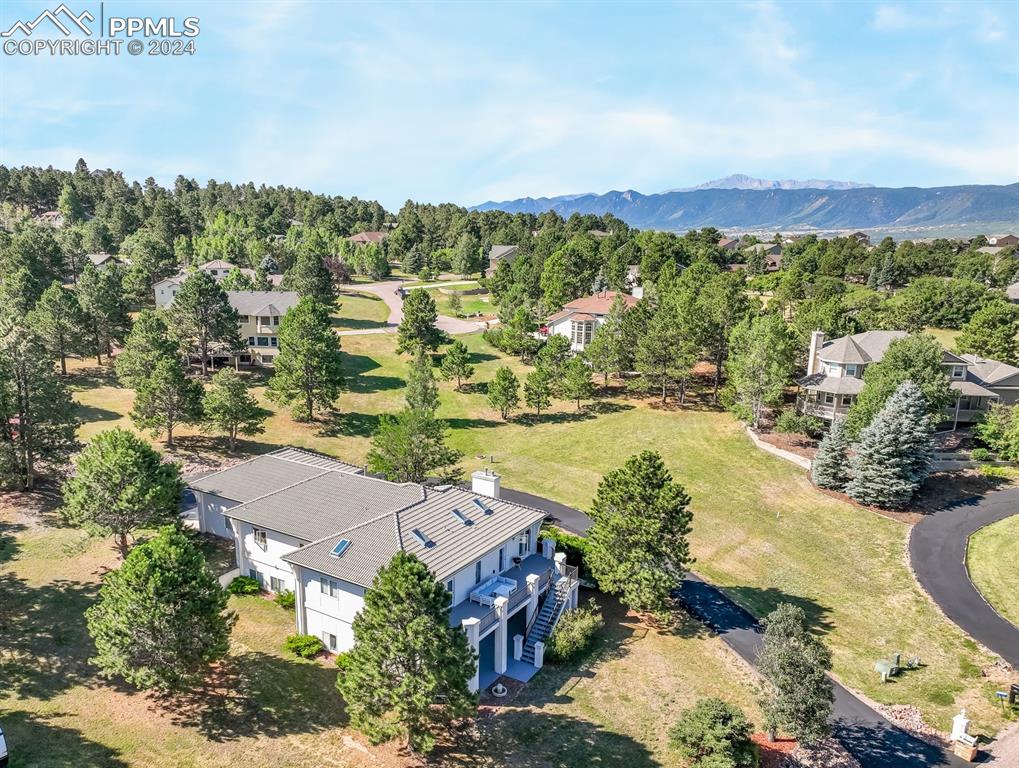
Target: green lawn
[
  {"x": 470, "y": 305},
  {"x": 760, "y": 528},
  {"x": 359, "y": 310},
  {"x": 991, "y": 558}
]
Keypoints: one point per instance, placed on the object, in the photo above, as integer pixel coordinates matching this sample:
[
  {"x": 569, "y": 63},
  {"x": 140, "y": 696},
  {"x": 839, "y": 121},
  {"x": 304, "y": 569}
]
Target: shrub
[
  {"x": 244, "y": 585},
  {"x": 574, "y": 632},
  {"x": 714, "y": 733},
  {"x": 285, "y": 599},
  {"x": 794, "y": 423},
  {"x": 980, "y": 454},
  {"x": 305, "y": 646},
  {"x": 343, "y": 661},
  {"x": 575, "y": 548}
]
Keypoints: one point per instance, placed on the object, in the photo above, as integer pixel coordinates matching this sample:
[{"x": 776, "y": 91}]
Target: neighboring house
[
  {"x": 100, "y": 260},
  {"x": 497, "y": 253},
  {"x": 53, "y": 219},
  {"x": 991, "y": 250},
  {"x": 363, "y": 238},
  {"x": 322, "y": 529},
  {"x": 1002, "y": 241},
  {"x": 835, "y": 377},
  {"x": 166, "y": 289},
  {"x": 728, "y": 243},
  {"x": 767, "y": 249},
  {"x": 217, "y": 268},
  {"x": 860, "y": 237},
  {"x": 598, "y": 234},
  {"x": 579, "y": 319},
  {"x": 633, "y": 281},
  {"x": 1013, "y": 293},
  {"x": 260, "y": 314}
]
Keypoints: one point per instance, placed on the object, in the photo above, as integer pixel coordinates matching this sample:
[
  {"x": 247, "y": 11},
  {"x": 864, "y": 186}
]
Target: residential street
[{"x": 387, "y": 291}]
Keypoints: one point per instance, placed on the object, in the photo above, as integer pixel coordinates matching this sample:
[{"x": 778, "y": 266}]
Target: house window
[
  {"x": 242, "y": 318},
  {"x": 265, "y": 320},
  {"x": 256, "y": 576},
  {"x": 266, "y": 359},
  {"x": 263, "y": 341},
  {"x": 580, "y": 332},
  {"x": 329, "y": 640},
  {"x": 829, "y": 398},
  {"x": 965, "y": 404},
  {"x": 958, "y": 371},
  {"x": 273, "y": 341},
  {"x": 851, "y": 369},
  {"x": 260, "y": 541},
  {"x": 524, "y": 544},
  {"x": 329, "y": 587},
  {"x": 251, "y": 341},
  {"x": 276, "y": 320},
  {"x": 847, "y": 400},
  {"x": 502, "y": 559},
  {"x": 276, "y": 585},
  {"x": 477, "y": 572},
  {"x": 449, "y": 588}
]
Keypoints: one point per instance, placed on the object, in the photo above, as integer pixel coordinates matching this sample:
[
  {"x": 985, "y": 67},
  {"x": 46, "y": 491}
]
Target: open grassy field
[
  {"x": 991, "y": 558},
  {"x": 263, "y": 707},
  {"x": 359, "y": 310},
  {"x": 760, "y": 528}
]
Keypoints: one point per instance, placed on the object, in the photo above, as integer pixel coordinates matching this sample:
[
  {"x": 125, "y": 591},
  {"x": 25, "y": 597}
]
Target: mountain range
[{"x": 740, "y": 202}]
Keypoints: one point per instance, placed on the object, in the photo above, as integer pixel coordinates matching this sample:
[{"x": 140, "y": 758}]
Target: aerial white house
[
  {"x": 321, "y": 528},
  {"x": 579, "y": 319}
]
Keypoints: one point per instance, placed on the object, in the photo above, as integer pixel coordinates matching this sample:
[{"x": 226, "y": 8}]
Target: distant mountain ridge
[
  {"x": 741, "y": 181},
  {"x": 859, "y": 207}
]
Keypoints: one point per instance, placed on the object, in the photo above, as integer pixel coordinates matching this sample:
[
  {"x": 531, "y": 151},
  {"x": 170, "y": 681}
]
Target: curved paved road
[
  {"x": 937, "y": 550},
  {"x": 387, "y": 291},
  {"x": 872, "y": 739}
]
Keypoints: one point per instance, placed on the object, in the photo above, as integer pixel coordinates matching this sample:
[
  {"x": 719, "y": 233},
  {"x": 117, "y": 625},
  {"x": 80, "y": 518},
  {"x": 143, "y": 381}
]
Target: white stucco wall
[
  {"x": 210, "y": 514},
  {"x": 267, "y": 562},
  {"x": 564, "y": 327},
  {"x": 333, "y": 615},
  {"x": 464, "y": 580}
]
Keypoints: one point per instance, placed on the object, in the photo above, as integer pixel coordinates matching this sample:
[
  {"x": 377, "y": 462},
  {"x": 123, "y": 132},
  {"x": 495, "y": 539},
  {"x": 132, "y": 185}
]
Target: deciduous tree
[
  {"x": 991, "y": 332},
  {"x": 759, "y": 367}
]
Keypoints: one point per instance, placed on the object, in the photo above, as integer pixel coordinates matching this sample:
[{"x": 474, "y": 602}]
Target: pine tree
[
  {"x": 504, "y": 391},
  {"x": 991, "y": 332},
  {"x": 229, "y": 407},
  {"x": 308, "y": 370},
  {"x": 553, "y": 358},
  {"x": 872, "y": 278},
  {"x": 147, "y": 344},
  {"x": 409, "y": 670},
  {"x": 456, "y": 305},
  {"x": 576, "y": 384},
  {"x": 162, "y": 617},
  {"x": 830, "y": 467},
  {"x": 120, "y": 485},
  {"x": 100, "y": 294},
  {"x": 310, "y": 278},
  {"x": 608, "y": 352},
  {"x": 411, "y": 445},
  {"x": 665, "y": 355},
  {"x": 200, "y": 316},
  {"x": 637, "y": 547},
  {"x": 537, "y": 390},
  {"x": 759, "y": 367},
  {"x": 796, "y": 663},
  {"x": 167, "y": 398},
  {"x": 236, "y": 280},
  {"x": 894, "y": 453},
  {"x": 714, "y": 734},
  {"x": 59, "y": 321},
  {"x": 37, "y": 417},
  {"x": 456, "y": 364},
  {"x": 70, "y": 206},
  {"x": 421, "y": 392},
  {"x": 417, "y": 329}
]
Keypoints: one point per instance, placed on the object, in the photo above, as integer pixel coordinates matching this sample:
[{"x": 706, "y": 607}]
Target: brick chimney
[
  {"x": 485, "y": 482},
  {"x": 813, "y": 358}
]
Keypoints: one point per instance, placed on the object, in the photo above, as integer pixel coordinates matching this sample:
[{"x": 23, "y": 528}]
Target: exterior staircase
[{"x": 547, "y": 617}]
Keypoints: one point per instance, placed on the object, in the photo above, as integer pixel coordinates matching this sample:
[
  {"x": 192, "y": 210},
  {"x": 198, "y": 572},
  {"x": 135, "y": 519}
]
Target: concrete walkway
[
  {"x": 388, "y": 292},
  {"x": 937, "y": 551},
  {"x": 872, "y": 739}
]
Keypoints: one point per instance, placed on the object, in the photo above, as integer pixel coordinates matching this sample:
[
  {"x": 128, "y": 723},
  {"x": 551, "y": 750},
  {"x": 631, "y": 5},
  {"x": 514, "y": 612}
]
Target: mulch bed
[{"x": 774, "y": 754}]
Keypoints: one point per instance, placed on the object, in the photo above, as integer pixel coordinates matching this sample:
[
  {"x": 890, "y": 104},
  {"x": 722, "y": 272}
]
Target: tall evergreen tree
[
  {"x": 167, "y": 398},
  {"x": 665, "y": 355},
  {"x": 308, "y": 370},
  {"x": 576, "y": 384},
  {"x": 637, "y": 547},
  {"x": 101, "y": 296},
  {"x": 894, "y": 453},
  {"x": 608, "y": 352},
  {"x": 409, "y": 670},
  {"x": 59, "y": 321},
  {"x": 421, "y": 391},
  {"x": 147, "y": 343},
  {"x": 456, "y": 364},
  {"x": 552, "y": 359},
  {"x": 796, "y": 663},
  {"x": 230, "y": 408},
  {"x": 417, "y": 329},
  {"x": 310, "y": 278},
  {"x": 722, "y": 304},
  {"x": 120, "y": 485},
  {"x": 504, "y": 391},
  {"x": 537, "y": 390},
  {"x": 409, "y": 446},
  {"x": 759, "y": 367},
  {"x": 992, "y": 332},
  {"x": 201, "y": 316},
  {"x": 830, "y": 467},
  {"x": 161, "y": 618},
  {"x": 37, "y": 416}
]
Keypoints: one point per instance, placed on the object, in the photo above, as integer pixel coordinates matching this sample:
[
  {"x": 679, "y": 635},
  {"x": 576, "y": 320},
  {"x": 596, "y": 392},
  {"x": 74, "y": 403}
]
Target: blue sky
[{"x": 466, "y": 102}]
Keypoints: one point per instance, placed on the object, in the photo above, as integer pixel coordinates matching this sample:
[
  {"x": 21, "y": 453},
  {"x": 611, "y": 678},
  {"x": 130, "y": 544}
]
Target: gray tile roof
[
  {"x": 866, "y": 347},
  {"x": 988, "y": 372},
  {"x": 262, "y": 302},
  {"x": 452, "y": 544},
  {"x": 497, "y": 252},
  {"x": 328, "y": 501},
  {"x": 271, "y": 472},
  {"x": 837, "y": 385}
]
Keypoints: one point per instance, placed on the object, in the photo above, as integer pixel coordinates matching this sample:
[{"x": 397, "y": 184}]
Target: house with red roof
[{"x": 579, "y": 319}]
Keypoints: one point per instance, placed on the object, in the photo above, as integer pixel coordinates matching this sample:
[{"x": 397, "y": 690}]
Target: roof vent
[
  {"x": 341, "y": 546},
  {"x": 460, "y": 516},
  {"x": 482, "y": 506},
  {"x": 423, "y": 540}
]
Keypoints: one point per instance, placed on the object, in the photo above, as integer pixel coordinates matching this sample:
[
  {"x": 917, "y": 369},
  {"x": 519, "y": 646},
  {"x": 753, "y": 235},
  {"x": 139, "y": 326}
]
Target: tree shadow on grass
[
  {"x": 42, "y": 741},
  {"x": 45, "y": 639},
  {"x": 762, "y": 601},
  {"x": 9, "y": 545},
  {"x": 92, "y": 378},
  {"x": 466, "y": 423},
  {"x": 259, "y": 694},
  {"x": 344, "y": 424},
  {"x": 92, "y": 413}
]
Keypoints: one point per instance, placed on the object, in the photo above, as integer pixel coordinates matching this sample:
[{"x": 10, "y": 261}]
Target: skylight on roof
[
  {"x": 423, "y": 540},
  {"x": 482, "y": 506},
  {"x": 460, "y": 516},
  {"x": 341, "y": 546}
]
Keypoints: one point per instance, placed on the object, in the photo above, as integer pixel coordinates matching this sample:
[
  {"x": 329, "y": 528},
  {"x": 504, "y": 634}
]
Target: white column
[
  {"x": 574, "y": 595},
  {"x": 242, "y": 562},
  {"x": 501, "y": 611},
  {"x": 539, "y": 655},
  {"x": 302, "y": 617},
  {"x": 533, "y": 580},
  {"x": 547, "y": 548},
  {"x": 518, "y": 647},
  {"x": 560, "y": 563},
  {"x": 472, "y": 627}
]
